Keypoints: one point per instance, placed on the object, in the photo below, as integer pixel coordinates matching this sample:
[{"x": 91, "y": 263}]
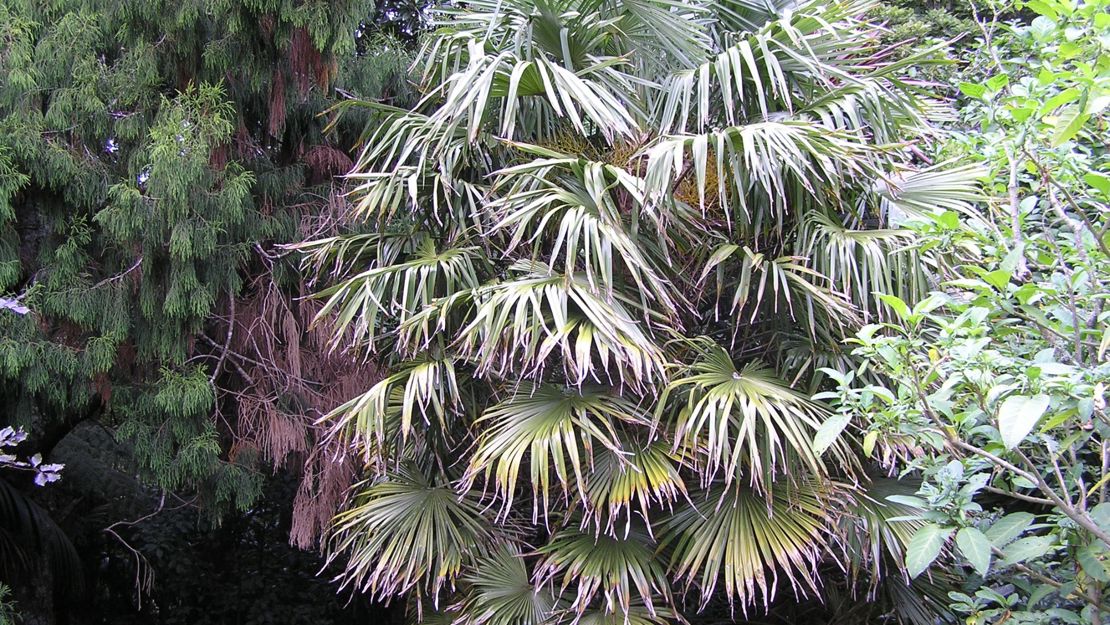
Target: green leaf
[
  {"x": 973, "y": 90},
  {"x": 924, "y": 548},
  {"x": 998, "y": 82},
  {"x": 1098, "y": 181},
  {"x": 1040, "y": 592},
  {"x": 1100, "y": 514},
  {"x": 975, "y": 546},
  {"x": 896, "y": 304},
  {"x": 1008, "y": 528},
  {"x": 829, "y": 431},
  {"x": 1026, "y": 549},
  {"x": 1092, "y": 564},
  {"x": 869, "y": 442},
  {"x": 1067, "y": 96},
  {"x": 1017, "y": 416},
  {"x": 1068, "y": 124},
  {"x": 1042, "y": 8}
]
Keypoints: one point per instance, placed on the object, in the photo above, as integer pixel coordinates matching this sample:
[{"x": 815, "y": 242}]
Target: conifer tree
[{"x": 152, "y": 153}]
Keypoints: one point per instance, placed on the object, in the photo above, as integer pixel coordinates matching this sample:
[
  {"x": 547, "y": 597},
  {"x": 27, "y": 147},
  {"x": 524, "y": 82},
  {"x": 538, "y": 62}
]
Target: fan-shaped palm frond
[
  {"x": 499, "y": 592},
  {"x": 398, "y": 290},
  {"x": 782, "y": 282},
  {"x": 521, "y": 322},
  {"x": 745, "y": 541},
  {"x": 405, "y": 533},
  {"x": 616, "y": 569},
  {"x": 554, "y": 428},
  {"x": 372, "y": 421},
  {"x": 861, "y": 263},
  {"x": 867, "y": 105},
  {"x": 500, "y": 80},
  {"x": 757, "y": 167},
  {"x": 936, "y": 189},
  {"x": 642, "y": 475},
  {"x": 578, "y": 220},
  {"x": 876, "y": 530},
  {"x": 743, "y": 422}
]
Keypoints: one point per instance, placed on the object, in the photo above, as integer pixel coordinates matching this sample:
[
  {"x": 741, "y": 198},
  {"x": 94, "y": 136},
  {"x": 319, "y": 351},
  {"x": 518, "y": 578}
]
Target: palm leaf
[
  {"x": 743, "y": 422},
  {"x": 499, "y": 592},
  {"x": 405, "y": 532},
  {"x": 861, "y": 263},
  {"x": 876, "y": 530},
  {"x": 745, "y": 541},
  {"x": 362, "y": 303},
  {"x": 614, "y": 569},
  {"x": 554, "y": 429},
  {"x": 641, "y": 475},
  {"x": 936, "y": 189},
  {"x": 758, "y": 167},
  {"x": 577, "y": 218},
  {"x": 782, "y": 282},
  {"x": 372, "y": 421},
  {"x": 519, "y": 323}
]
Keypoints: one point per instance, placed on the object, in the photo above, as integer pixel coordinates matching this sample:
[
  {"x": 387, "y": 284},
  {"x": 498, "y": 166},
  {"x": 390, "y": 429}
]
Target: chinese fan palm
[{"x": 612, "y": 243}]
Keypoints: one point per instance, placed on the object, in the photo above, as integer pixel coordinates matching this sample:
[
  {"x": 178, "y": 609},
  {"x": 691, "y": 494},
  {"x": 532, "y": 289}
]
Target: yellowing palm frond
[
  {"x": 745, "y": 542},
  {"x": 552, "y": 429},
  {"x": 640, "y": 476},
  {"x": 405, "y": 533},
  {"x": 613, "y": 570}
]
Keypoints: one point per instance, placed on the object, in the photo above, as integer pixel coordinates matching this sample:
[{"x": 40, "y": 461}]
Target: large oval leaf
[
  {"x": 976, "y": 548},
  {"x": 924, "y": 548},
  {"x": 1017, "y": 416}
]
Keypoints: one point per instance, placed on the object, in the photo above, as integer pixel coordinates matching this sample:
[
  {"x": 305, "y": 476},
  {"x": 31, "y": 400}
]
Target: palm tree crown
[{"x": 602, "y": 261}]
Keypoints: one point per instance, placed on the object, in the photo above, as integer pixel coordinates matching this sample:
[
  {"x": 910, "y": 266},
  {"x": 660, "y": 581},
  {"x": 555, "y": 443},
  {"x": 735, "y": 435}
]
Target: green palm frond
[
  {"x": 501, "y": 81},
  {"x": 578, "y": 220},
  {"x": 362, "y": 303},
  {"x": 521, "y": 322},
  {"x": 757, "y": 167},
  {"x": 552, "y": 428},
  {"x": 640, "y": 475},
  {"x": 341, "y": 254},
  {"x": 652, "y": 28},
  {"x": 746, "y": 541},
  {"x": 751, "y": 79},
  {"x": 743, "y": 422},
  {"x": 612, "y": 570},
  {"x": 405, "y": 532},
  {"x": 861, "y": 263},
  {"x": 936, "y": 189},
  {"x": 868, "y": 105},
  {"x": 876, "y": 531},
  {"x": 782, "y": 282},
  {"x": 372, "y": 421},
  {"x": 499, "y": 592}
]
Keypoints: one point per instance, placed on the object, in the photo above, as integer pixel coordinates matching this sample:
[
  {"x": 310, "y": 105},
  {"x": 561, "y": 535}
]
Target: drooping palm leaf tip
[{"x": 609, "y": 250}]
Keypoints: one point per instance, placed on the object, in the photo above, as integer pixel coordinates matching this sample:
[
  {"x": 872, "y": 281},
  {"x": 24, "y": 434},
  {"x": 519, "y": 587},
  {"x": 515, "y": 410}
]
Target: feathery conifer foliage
[
  {"x": 151, "y": 153},
  {"x": 612, "y": 246}
]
